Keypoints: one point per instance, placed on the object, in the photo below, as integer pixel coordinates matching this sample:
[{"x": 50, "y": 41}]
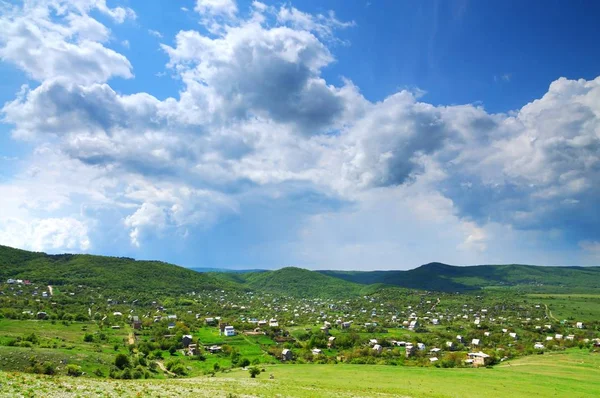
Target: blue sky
[{"x": 334, "y": 134}]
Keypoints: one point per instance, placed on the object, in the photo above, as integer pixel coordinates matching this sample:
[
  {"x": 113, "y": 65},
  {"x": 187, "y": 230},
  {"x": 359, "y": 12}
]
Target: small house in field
[
  {"x": 413, "y": 325},
  {"x": 286, "y": 355},
  {"x": 377, "y": 348},
  {"x": 192, "y": 350},
  {"x": 479, "y": 358},
  {"x": 186, "y": 340},
  {"x": 316, "y": 351},
  {"x": 210, "y": 321},
  {"x": 117, "y": 313},
  {"x": 475, "y": 342},
  {"x": 513, "y": 335},
  {"x": 136, "y": 323},
  {"x": 331, "y": 341},
  {"x": 346, "y": 325},
  {"x": 579, "y": 325},
  {"x": 213, "y": 349},
  {"x": 409, "y": 350},
  {"x": 433, "y": 359},
  {"x": 229, "y": 331},
  {"x": 41, "y": 315},
  {"x": 538, "y": 346}
]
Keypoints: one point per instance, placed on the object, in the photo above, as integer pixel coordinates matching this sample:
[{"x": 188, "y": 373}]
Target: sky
[{"x": 327, "y": 135}]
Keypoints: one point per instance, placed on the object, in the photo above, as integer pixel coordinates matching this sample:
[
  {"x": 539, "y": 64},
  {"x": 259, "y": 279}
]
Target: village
[{"x": 216, "y": 330}]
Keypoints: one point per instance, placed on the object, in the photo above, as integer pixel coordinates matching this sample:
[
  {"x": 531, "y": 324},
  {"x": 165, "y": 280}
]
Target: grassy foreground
[{"x": 574, "y": 374}]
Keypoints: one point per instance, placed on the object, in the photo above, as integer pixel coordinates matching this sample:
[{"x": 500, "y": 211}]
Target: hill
[
  {"x": 449, "y": 278},
  {"x": 118, "y": 274},
  {"x": 295, "y": 282}
]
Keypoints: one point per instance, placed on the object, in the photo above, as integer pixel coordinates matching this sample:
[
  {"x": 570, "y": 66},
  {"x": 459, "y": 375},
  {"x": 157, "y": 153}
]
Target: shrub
[
  {"x": 122, "y": 361},
  {"x": 254, "y": 371},
  {"x": 88, "y": 338},
  {"x": 74, "y": 370},
  {"x": 98, "y": 372},
  {"x": 49, "y": 368},
  {"x": 244, "y": 362}
]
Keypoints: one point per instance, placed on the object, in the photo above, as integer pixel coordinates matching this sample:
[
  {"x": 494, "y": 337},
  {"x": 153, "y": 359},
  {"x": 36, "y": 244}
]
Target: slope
[{"x": 118, "y": 274}]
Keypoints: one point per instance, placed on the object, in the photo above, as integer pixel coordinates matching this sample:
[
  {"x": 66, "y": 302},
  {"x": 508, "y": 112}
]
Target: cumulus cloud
[
  {"x": 255, "y": 117},
  {"x": 45, "y": 234},
  {"x": 52, "y": 39}
]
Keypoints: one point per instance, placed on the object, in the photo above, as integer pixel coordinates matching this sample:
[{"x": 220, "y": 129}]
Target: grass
[
  {"x": 573, "y": 373},
  {"x": 575, "y": 307}
]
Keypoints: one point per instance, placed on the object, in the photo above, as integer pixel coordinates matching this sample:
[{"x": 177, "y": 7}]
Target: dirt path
[
  {"x": 50, "y": 290},
  {"x": 162, "y": 367},
  {"x": 549, "y": 313}
]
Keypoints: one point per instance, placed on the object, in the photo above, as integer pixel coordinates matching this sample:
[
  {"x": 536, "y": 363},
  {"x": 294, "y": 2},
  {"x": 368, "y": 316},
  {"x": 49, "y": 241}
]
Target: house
[
  {"x": 475, "y": 342},
  {"x": 413, "y": 325},
  {"x": 373, "y": 342},
  {"x": 486, "y": 334},
  {"x": 210, "y": 321},
  {"x": 286, "y": 355},
  {"x": 435, "y": 321},
  {"x": 421, "y": 346},
  {"x": 273, "y": 323},
  {"x": 538, "y": 346},
  {"x": 450, "y": 345},
  {"x": 346, "y": 325},
  {"x": 41, "y": 315},
  {"x": 229, "y": 331},
  {"x": 115, "y": 327},
  {"x": 377, "y": 348},
  {"x": 409, "y": 350},
  {"x": 558, "y": 336},
  {"x": 316, "y": 351},
  {"x": 479, "y": 358},
  {"x": 331, "y": 341},
  {"x": 171, "y": 326},
  {"x": 136, "y": 323},
  {"x": 459, "y": 338},
  {"x": 435, "y": 350},
  {"x": 579, "y": 325},
  {"x": 186, "y": 340},
  {"x": 513, "y": 335},
  {"x": 117, "y": 313},
  {"x": 193, "y": 349},
  {"x": 213, "y": 349},
  {"x": 433, "y": 359},
  {"x": 571, "y": 337}
]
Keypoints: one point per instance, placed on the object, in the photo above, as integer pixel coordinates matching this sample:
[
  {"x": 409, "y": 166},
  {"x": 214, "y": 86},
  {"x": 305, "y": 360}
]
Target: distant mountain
[
  {"x": 296, "y": 282},
  {"x": 449, "y": 278},
  {"x": 151, "y": 278},
  {"x": 227, "y": 270}
]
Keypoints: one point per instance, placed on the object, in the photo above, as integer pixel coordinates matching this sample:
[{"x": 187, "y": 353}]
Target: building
[
  {"x": 377, "y": 348},
  {"x": 286, "y": 355},
  {"x": 229, "y": 331},
  {"x": 186, "y": 340},
  {"x": 136, "y": 323},
  {"x": 479, "y": 358}
]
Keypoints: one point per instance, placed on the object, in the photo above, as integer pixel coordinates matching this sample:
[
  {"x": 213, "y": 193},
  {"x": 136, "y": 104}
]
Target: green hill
[
  {"x": 296, "y": 282},
  {"x": 117, "y": 274},
  {"x": 444, "y": 277}
]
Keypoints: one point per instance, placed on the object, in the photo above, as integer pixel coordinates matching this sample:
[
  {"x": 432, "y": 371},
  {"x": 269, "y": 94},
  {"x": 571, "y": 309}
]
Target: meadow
[{"x": 573, "y": 373}]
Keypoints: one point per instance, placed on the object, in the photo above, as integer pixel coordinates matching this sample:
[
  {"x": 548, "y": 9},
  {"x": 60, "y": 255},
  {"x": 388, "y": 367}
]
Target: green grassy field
[
  {"x": 573, "y": 373},
  {"x": 576, "y": 307}
]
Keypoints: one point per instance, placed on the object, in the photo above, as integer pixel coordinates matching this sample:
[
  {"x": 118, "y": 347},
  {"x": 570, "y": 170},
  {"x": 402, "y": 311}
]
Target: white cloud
[
  {"x": 155, "y": 33},
  {"x": 67, "y": 44},
  {"x": 45, "y": 234},
  {"x": 226, "y": 8},
  {"x": 255, "y": 117}
]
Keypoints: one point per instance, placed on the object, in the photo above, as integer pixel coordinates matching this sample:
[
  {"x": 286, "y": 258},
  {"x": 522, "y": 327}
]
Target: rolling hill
[
  {"x": 449, "y": 278},
  {"x": 126, "y": 274},
  {"x": 110, "y": 273}
]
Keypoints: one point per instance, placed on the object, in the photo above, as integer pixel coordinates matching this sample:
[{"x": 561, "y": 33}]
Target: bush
[
  {"x": 122, "y": 361},
  {"x": 98, "y": 372},
  {"x": 88, "y": 338},
  {"x": 244, "y": 362},
  {"x": 74, "y": 370},
  {"x": 254, "y": 371},
  {"x": 49, "y": 368}
]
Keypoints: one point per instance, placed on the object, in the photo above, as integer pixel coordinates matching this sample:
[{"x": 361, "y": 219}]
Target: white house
[
  {"x": 579, "y": 325},
  {"x": 538, "y": 346},
  {"x": 229, "y": 331}
]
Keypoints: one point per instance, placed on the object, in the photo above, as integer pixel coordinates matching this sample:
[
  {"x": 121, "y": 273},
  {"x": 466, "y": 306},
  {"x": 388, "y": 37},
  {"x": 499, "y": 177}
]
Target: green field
[
  {"x": 573, "y": 373},
  {"x": 576, "y": 307}
]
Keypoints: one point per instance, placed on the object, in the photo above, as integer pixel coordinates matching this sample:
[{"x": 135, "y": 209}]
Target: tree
[
  {"x": 254, "y": 371},
  {"x": 122, "y": 361}
]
